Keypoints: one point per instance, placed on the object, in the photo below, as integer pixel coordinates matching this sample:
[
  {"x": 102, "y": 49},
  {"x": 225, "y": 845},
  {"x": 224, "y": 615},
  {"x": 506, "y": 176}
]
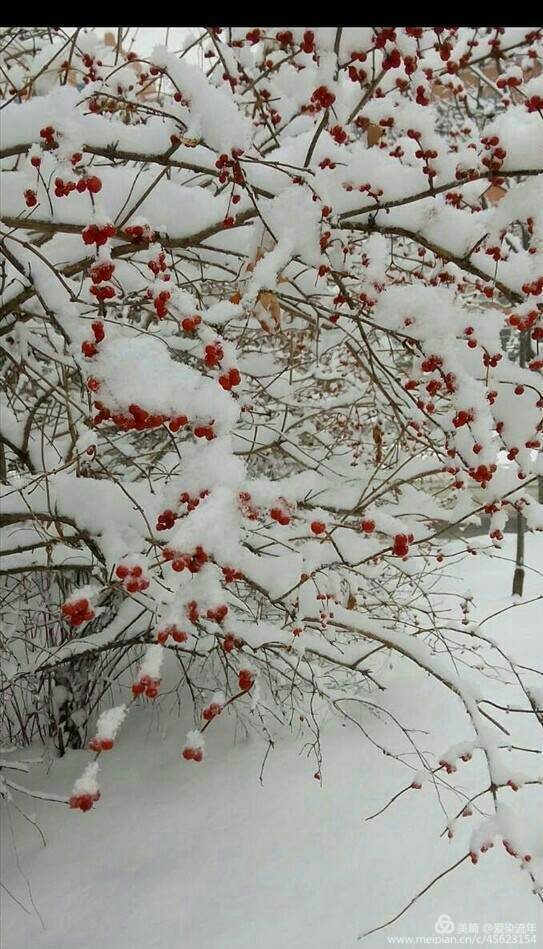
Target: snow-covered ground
[{"x": 208, "y": 857}]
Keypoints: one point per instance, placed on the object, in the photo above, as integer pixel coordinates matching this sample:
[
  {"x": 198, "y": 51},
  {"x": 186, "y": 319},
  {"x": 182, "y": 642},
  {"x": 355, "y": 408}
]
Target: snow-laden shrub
[{"x": 268, "y": 338}]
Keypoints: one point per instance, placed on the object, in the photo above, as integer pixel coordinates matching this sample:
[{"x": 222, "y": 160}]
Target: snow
[
  {"x": 87, "y": 783},
  {"x": 206, "y": 854},
  {"x": 152, "y": 662},
  {"x": 269, "y": 286},
  {"x": 110, "y": 721}
]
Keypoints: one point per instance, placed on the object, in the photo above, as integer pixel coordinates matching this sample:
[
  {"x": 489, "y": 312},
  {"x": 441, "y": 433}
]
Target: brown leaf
[
  {"x": 374, "y": 133},
  {"x": 270, "y": 303}
]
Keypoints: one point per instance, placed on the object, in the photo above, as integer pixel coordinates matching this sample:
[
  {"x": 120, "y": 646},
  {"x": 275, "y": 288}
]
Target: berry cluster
[
  {"x": 146, "y": 685},
  {"x": 192, "y": 503},
  {"x": 431, "y": 363},
  {"x": 231, "y": 642},
  {"x": 462, "y": 418},
  {"x": 178, "y": 635},
  {"x": 534, "y": 288},
  {"x": 248, "y": 510},
  {"x": 190, "y": 323},
  {"x": 160, "y": 303},
  {"x": 523, "y": 322},
  {"x": 482, "y": 474},
  {"x": 78, "y": 611},
  {"x": 158, "y": 264},
  {"x": 253, "y": 36},
  {"x": 421, "y": 97},
  {"x": 212, "y": 710},
  {"x": 90, "y": 63},
  {"x": 101, "y": 272},
  {"x": 193, "y": 754},
  {"x": 285, "y": 38},
  {"x": 231, "y": 166},
  {"x": 94, "y": 234},
  {"x": 494, "y": 160},
  {"x": 165, "y": 521},
  {"x": 104, "y": 293},
  {"x": 246, "y": 679},
  {"x": 217, "y": 614},
  {"x": 357, "y": 75},
  {"x": 230, "y": 379},
  {"x": 84, "y": 802},
  {"x": 204, "y": 431},
  {"x": 509, "y": 82},
  {"x": 48, "y": 133},
  {"x": 185, "y": 561},
  {"x": 92, "y": 184},
  {"x": 400, "y": 546},
  {"x": 281, "y": 512},
  {"x": 338, "y": 134},
  {"x": 322, "y": 98},
  {"x": 308, "y": 43},
  {"x": 534, "y": 104},
  {"x": 140, "y": 233},
  {"x": 101, "y": 744},
  {"x": 213, "y": 355},
  {"x": 133, "y": 579},
  {"x": 88, "y": 347},
  {"x": 192, "y": 611},
  {"x": 138, "y": 419},
  {"x": 177, "y": 422},
  {"x": 392, "y": 60},
  {"x": 491, "y": 361}
]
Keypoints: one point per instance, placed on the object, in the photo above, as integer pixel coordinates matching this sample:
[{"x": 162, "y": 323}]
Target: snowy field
[{"x": 206, "y": 857}]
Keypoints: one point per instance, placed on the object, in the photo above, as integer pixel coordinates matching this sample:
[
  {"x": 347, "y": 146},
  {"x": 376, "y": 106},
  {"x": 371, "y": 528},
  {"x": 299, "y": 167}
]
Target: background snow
[{"x": 206, "y": 857}]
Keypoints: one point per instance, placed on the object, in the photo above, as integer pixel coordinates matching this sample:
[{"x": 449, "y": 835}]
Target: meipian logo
[{"x": 444, "y": 925}]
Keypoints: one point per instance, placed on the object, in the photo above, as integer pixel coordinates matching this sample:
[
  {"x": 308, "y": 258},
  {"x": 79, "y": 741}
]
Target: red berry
[
  {"x": 82, "y": 802},
  {"x": 98, "y": 330},
  {"x": 245, "y": 679},
  {"x": 400, "y": 547},
  {"x": 94, "y": 185},
  {"x": 88, "y": 349}
]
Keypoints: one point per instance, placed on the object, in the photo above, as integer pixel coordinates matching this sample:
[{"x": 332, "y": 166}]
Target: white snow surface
[{"x": 204, "y": 856}]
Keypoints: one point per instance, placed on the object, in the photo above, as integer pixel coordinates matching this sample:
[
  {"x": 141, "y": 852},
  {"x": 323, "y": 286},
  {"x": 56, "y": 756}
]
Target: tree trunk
[{"x": 518, "y": 577}]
